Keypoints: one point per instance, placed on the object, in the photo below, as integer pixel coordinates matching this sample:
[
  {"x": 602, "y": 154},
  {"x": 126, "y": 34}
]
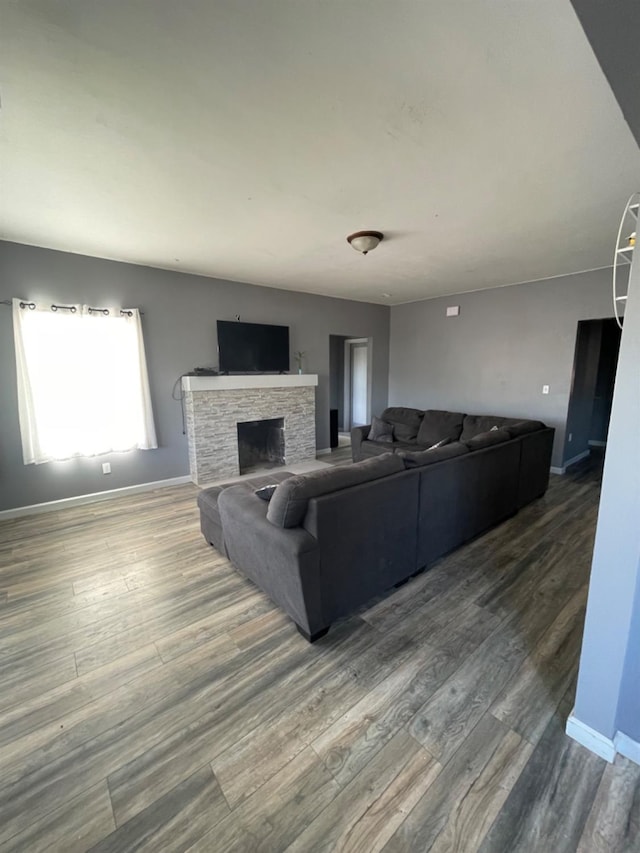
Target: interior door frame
[{"x": 348, "y": 346}]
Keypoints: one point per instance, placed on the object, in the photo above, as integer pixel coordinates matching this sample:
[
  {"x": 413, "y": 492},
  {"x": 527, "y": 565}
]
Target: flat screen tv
[{"x": 252, "y": 347}]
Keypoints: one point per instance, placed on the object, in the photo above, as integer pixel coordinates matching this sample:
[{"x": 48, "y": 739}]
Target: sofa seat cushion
[
  {"x": 524, "y": 428},
  {"x": 437, "y": 425},
  {"x": 385, "y": 447},
  {"x": 416, "y": 459},
  {"x": 440, "y": 443},
  {"x": 288, "y": 506},
  {"x": 406, "y": 422},
  {"x": 375, "y": 448},
  {"x": 476, "y": 424},
  {"x": 488, "y": 439},
  {"x": 405, "y": 445}
]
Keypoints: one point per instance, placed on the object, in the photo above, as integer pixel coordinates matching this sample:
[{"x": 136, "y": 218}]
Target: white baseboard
[
  {"x": 627, "y": 746},
  {"x": 593, "y": 740},
  {"x": 569, "y": 462},
  {"x": 575, "y": 459},
  {"x": 593, "y": 443},
  {"x": 94, "y": 497},
  {"x": 605, "y": 747}
]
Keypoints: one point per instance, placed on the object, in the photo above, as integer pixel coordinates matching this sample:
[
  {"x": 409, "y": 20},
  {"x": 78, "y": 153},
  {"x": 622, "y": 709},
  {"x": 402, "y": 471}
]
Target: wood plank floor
[{"x": 153, "y": 699}]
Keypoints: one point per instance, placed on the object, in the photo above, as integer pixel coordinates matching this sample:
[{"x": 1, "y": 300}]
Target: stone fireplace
[{"x": 221, "y": 409}]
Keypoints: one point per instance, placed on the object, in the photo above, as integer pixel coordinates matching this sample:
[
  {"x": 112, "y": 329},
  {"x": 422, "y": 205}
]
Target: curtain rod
[{"x": 72, "y": 308}]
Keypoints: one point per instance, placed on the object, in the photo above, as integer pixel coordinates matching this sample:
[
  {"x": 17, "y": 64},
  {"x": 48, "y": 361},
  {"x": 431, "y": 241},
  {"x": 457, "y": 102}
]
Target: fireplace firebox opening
[{"x": 260, "y": 444}]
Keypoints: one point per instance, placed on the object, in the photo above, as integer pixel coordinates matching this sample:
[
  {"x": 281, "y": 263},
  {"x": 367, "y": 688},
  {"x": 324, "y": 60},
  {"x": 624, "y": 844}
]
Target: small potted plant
[{"x": 298, "y": 357}]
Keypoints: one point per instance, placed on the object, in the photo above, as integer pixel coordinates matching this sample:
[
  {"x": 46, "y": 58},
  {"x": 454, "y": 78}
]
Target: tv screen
[{"x": 252, "y": 347}]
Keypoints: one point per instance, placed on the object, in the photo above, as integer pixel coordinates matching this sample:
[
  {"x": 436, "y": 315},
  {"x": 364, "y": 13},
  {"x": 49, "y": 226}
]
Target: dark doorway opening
[{"x": 594, "y": 373}]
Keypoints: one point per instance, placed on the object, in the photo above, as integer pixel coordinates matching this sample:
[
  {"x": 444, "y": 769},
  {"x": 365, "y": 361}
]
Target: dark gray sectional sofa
[
  {"x": 415, "y": 430},
  {"x": 332, "y": 539}
]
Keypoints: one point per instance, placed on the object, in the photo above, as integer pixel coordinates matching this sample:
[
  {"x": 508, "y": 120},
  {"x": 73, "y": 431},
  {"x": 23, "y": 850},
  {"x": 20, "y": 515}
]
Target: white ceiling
[{"x": 244, "y": 139}]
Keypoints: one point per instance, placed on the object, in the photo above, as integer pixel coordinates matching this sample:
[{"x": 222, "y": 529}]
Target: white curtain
[{"x": 83, "y": 387}]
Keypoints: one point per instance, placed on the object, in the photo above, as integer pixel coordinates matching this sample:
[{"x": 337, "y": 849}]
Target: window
[{"x": 82, "y": 378}]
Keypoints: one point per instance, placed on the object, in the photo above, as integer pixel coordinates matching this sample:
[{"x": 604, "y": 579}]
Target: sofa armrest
[
  {"x": 283, "y": 562},
  {"x": 358, "y": 435},
  {"x": 535, "y": 461}
]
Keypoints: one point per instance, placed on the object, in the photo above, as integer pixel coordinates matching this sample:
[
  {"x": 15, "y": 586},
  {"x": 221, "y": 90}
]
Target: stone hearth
[{"x": 215, "y": 405}]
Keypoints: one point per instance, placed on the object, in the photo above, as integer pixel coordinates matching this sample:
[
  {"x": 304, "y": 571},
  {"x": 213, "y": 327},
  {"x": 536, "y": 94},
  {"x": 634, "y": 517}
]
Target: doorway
[
  {"x": 336, "y": 388},
  {"x": 358, "y": 402},
  {"x": 594, "y": 373},
  {"x": 357, "y": 384},
  {"x": 349, "y": 386}
]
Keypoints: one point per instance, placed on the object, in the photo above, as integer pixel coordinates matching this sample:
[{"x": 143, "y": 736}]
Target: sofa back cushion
[
  {"x": 419, "y": 458},
  {"x": 406, "y": 422},
  {"x": 476, "y": 424},
  {"x": 288, "y": 506},
  {"x": 523, "y": 428},
  {"x": 437, "y": 425},
  {"x": 485, "y": 439}
]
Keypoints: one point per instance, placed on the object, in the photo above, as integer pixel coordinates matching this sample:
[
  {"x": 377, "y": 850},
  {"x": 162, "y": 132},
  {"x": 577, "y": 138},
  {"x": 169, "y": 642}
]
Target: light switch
[
  {"x": 545, "y": 389},
  {"x": 106, "y": 467}
]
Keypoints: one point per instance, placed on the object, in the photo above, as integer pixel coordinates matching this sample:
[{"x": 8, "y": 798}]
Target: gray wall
[
  {"x": 180, "y": 313},
  {"x": 495, "y": 357},
  {"x": 628, "y": 718},
  {"x": 607, "y": 695}
]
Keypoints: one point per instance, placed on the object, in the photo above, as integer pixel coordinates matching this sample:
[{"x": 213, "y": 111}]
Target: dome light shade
[{"x": 365, "y": 241}]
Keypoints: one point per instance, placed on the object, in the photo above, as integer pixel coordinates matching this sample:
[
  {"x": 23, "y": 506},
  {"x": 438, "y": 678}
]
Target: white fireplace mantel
[{"x": 240, "y": 382}]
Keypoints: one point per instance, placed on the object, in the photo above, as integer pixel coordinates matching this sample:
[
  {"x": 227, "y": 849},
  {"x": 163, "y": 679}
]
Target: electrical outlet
[
  {"x": 453, "y": 311},
  {"x": 106, "y": 467},
  {"x": 545, "y": 389}
]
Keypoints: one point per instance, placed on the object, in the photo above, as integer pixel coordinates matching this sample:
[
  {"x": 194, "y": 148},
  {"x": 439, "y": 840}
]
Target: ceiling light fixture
[{"x": 365, "y": 241}]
